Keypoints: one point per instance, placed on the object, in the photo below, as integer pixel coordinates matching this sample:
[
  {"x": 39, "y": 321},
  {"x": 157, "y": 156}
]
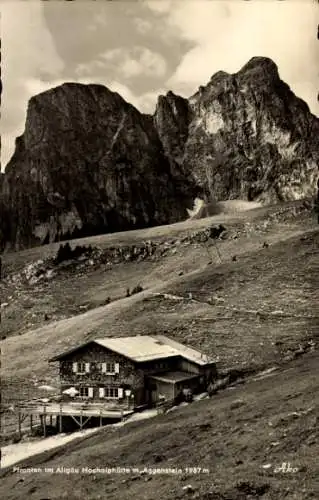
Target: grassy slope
[
  {"x": 233, "y": 434},
  {"x": 238, "y": 326},
  {"x": 17, "y": 260},
  {"x": 70, "y": 293},
  {"x": 230, "y": 316}
]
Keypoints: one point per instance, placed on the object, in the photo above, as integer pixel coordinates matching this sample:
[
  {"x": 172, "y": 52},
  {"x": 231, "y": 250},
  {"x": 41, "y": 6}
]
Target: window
[
  {"x": 161, "y": 365},
  {"x": 80, "y": 367},
  {"x": 111, "y": 392},
  {"x": 110, "y": 367},
  {"x": 86, "y": 392}
]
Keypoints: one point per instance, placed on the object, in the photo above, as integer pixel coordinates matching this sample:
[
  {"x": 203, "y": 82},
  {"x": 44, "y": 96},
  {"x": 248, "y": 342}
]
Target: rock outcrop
[
  {"x": 248, "y": 136},
  {"x": 89, "y": 162}
]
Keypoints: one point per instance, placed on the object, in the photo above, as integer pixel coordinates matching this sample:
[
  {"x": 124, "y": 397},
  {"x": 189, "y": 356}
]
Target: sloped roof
[
  {"x": 187, "y": 352},
  {"x": 144, "y": 348},
  {"x": 138, "y": 348}
]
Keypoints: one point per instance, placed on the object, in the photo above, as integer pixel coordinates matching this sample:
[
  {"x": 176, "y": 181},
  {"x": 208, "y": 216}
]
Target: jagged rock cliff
[
  {"x": 247, "y": 136},
  {"x": 89, "y": 162}
]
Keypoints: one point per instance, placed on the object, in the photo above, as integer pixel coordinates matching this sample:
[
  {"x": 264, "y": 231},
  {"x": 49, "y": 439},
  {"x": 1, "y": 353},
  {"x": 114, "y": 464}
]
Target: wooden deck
[
  {"x": 104, "y": 410},
  {"x": 80, "y": 412}
]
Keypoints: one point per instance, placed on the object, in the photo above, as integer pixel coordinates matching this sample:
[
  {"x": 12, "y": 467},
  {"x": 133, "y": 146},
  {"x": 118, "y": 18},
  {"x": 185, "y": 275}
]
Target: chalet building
[{"x": 142, "y": 369}]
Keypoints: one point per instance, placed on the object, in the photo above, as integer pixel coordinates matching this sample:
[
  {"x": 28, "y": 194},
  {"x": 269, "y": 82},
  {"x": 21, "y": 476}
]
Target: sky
[{"x": 142, "y": 49}]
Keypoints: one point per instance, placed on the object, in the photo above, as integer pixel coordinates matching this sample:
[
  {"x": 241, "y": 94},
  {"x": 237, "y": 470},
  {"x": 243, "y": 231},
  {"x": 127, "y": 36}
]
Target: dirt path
[{"x": 14, "y": 453}]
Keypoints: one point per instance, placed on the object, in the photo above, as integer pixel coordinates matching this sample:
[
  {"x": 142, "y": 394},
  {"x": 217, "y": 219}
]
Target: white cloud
[
  {"x": 35, "y": 86},
  {"x": 91, "y": 68},
  {"x": 143, "y": 26},
  {"x": 146, "y": 63},
  {"x": 227, "y": 34},
  {"x": 145, "y": 103},
  {"x": 159, "y": 6},
  {"x": 111, "y": 55},
  {"x": 136, "y": 61},
  {"x": 123, "y": 90},
  {"x": 131, "y": 67},
  {"x": 27, "y": 50}
]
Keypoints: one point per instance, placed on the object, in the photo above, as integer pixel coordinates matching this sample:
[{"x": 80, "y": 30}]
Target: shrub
[
  {"x": 16, "y": 438},
  {"x": 60, "y": 254},
  {"x": 137, "y": 289},
  {"x": 65, "y": 252},
  {"x": 77, "y": 251}
]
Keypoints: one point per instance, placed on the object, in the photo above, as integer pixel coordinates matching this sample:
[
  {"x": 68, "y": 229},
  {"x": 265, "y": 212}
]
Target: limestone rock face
[
  {"x": 172, "y": 118},
  {"x": 243, "y": 136},
  {"x": 88, "y": 162}
]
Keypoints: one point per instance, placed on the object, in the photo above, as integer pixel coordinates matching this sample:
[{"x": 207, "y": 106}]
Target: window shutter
[
  {"x": 101, "y": 392},
  {"x": 74, "y": 367},
  {"x": 117, "y": 367},
  {"x": 90, "y": 392},
  {"x": 120, "y": 393},
  {"x": 87, "y": 367},
  {"x": 103, "y": 367}
]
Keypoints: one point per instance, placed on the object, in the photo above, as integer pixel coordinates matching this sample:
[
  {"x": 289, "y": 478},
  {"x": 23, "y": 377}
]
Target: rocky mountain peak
[
  {"x": 89, "y": 162},
  {"x": 250, "y": 137},
  {"x": 259, "y": 70}
]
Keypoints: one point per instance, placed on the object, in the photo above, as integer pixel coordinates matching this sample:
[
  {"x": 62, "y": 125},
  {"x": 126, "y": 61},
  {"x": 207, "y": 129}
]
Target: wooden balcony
[
  {"x": 86, "y": 408},
  {"x": 80, "y": 412}
]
